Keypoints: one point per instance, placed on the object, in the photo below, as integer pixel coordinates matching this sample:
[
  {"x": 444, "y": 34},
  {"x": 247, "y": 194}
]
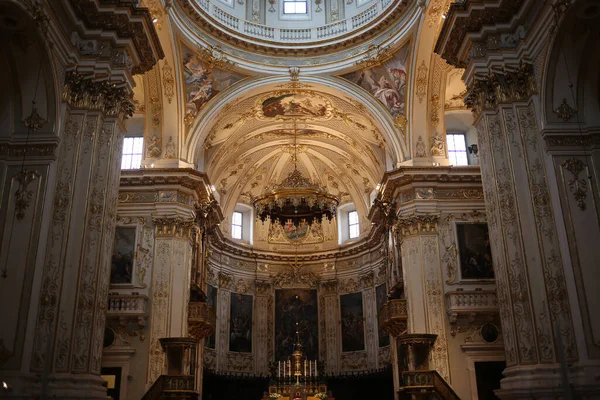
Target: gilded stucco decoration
[
  {"x": 577, "y": 186},
  {"x": 297, "y": 275},
  {"x": 420, "y": 150},
  {"x": 422, "y": 78},
  {"x": 168, "y": 81},
  {"x": 565, "y": 112}
]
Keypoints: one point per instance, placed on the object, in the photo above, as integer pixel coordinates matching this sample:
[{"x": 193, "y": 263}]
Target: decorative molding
[
  {"x": 577, "y": 186},
  {"x": 30, "y": 150},
  {"x": 565, "y": 111},
  {"x": 170, "y": 149},
  {"x": 420, "y": 150},
  {"x": 496, "y": 88},
  {"x": 23, "y": 194},
  {"x": 34, "y": 121},
  {"x": 155, "y": 98},
  {"x": 173, "y": 227},
  {"x": 168, "y": 81},
  {"x": 434, "y": 109},
  {"x": 473, "y": 305},
  {"x": 438, "y": 147},
  {"x": 80, "y": 91},
  {"x": 422, "y": 78},
  {"x": 296, "y": 277},
  {"x": 153, "y": 148},
  {"x": 215, "y": 57},
  {"x": 375, "y": 55},
  {"x": 417, "y": 224}
]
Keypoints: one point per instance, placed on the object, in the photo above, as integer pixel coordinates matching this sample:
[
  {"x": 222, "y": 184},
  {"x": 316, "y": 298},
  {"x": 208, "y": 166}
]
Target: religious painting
[
  {"x": 353, "y": 332},
  {"x": 211, "y": 300},
  {"x": 202, "y": 82},
  {"x": 123, "y": 256},
  {"x": 296, "y": 106},
  {"x": 474, "y": 251},
  {"x": 386, "y": 81},
  {"x": 240, "y": 328},
  {"x": 381, "y": 298},
  {"x": 296, "y": 309}
]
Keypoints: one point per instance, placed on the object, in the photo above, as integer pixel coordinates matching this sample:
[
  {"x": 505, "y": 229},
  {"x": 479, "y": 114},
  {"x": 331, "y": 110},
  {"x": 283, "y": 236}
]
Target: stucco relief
[{"x": 435, "y": 305}]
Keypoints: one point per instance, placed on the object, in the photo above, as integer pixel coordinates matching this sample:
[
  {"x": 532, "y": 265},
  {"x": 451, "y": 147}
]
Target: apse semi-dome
[{"x": 322, "y": 26}]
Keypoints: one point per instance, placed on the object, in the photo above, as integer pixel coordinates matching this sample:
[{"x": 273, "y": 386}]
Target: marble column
[
  {"x": 69, "y": 327},
  {"x": 535, "y": 308},
  {"x": 170, "y": 286}
]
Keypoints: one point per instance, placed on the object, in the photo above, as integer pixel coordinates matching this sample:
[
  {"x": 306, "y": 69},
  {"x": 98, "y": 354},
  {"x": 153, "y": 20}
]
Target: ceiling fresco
[
  {"x": 254, "y": 143},
  {"x": 386, "y": 81}
]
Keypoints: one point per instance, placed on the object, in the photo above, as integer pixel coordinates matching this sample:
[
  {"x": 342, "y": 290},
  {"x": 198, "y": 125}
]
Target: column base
[
  {"x": 60, "y": 386},
  {"x": 544, "y": 382}
]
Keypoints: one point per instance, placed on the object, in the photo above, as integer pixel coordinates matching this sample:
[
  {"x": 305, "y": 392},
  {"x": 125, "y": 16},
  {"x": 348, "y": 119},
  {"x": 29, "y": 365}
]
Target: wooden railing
[
  {"x": 425, "y": 384},
  {"x": 167, "y": 386},
  {"x": 393, "y": 317}
]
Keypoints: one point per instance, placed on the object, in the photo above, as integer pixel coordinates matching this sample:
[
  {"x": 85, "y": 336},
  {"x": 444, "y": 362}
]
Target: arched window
[{"x": 295, "y": 6}]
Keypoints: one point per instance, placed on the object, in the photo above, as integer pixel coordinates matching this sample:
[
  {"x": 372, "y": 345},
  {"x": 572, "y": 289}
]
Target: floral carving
[
  {"x": 437, "y": 146},
  {"x": 417, "y": 224},
  {"x": 23, "y": 194},
  {"x": 421, "y": 90},
  {"x": 168, "y": 81},
  {"x": 420, "y": 148},
  {"x": 565, "y": 111},
  {"x": 578, "y": 186},
  {"x": 170, "y": 150}
]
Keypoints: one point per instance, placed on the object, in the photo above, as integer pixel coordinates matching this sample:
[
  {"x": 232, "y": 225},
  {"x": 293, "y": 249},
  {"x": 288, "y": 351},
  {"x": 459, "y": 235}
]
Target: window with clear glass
[
  {"x": 353, "y": 224},
  {"x": 133, "y": 148},
  {"x": 295, "y": 7},
  {"x": 457, "y": 149},
  {"x": 236, "y": 225}
]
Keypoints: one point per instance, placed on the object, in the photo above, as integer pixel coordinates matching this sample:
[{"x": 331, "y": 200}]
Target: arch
[
  {"x": 208, "y": 116},
  {"x": 19, "y": 75},
  {"x": 573, "y": 58}
]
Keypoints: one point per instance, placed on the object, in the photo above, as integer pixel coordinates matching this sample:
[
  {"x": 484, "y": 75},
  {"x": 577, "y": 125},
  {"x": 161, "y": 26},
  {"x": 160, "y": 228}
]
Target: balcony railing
[
  {"x": 201, "y": 319},
  {"x": 326, "y": 32},
  {"x": 127, "y": 307},
  {"x": 393, "y": 317},
  {"x": 470, "y": 306},
  {"x": 425, "y": 384}
]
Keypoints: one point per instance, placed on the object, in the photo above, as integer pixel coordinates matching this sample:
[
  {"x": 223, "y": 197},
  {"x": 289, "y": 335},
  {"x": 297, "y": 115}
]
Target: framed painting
[
  {"x": 353, "y": 331},
  {"x": 296, "y": 306},
  {"x": 123, "y": 256},
  {"x": 240, "y": 327},
  {"x": 381, "y": 298},
  {"x": 474, "y": 252}
]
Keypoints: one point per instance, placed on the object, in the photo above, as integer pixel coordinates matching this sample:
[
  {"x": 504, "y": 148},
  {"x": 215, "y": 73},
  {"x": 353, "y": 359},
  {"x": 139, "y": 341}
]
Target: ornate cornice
[
  {"x": 490, "y": 90},
  {"x": 151, "y": 178},
  {"x": 468, "y": 17},
  {"x": 575, "y": 142},
  {"x": 19, "y": 150},
  {"x": 81, "y": 91},
  {"x": 173, "y": 227},
  {"x": 130, "y": 23},
  {"x": 417, "y": 224}
]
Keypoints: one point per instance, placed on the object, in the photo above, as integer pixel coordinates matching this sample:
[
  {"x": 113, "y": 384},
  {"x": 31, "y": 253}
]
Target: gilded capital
[
  {"x": 417, "y": 224},
  {"x": 501, "y": 87},
  {"x": 174, "y": 227}
]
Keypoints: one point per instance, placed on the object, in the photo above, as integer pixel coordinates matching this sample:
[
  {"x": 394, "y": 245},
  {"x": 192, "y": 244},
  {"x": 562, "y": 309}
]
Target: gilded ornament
[
  {"x": 417, "y": 224},
  {"x": 215, "y": 57},
  {"x": 168, "y": 81},
  {"x": 153, "y": 148},
  {"x": 170, "y": 150},
  {"x": 421, "y": 90},
  {"x": 565, "y": 111},
  {"x": 375, "y": 55},
  {"x": 438, "y": 147},
  {"x": 577, "y": 186},
  {"x": 34, "y": 121}
]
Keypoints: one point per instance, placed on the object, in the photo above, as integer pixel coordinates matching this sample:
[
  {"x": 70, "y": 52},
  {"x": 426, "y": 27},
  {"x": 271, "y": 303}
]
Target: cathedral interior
[{"x": 299, "y": 199}]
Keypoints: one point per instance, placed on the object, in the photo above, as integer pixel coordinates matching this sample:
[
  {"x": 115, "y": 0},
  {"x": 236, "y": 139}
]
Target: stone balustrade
[
  {"x": 125, "y": 307},
  {"x": 470, "y": 305}
]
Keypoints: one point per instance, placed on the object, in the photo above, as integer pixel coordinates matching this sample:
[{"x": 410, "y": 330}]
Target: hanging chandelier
[{"x": 296, "y": 199}]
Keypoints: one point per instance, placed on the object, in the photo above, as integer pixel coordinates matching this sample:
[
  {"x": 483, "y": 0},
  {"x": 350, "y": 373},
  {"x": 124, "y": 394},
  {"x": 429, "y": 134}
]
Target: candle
[
  {"x": 278, "y": 369},
  {"x": 304, "y": 367},
  {"x": 316, "y": 370},
  {"x": 310, "y": 368},
  {"x": 290, "y": 368}
]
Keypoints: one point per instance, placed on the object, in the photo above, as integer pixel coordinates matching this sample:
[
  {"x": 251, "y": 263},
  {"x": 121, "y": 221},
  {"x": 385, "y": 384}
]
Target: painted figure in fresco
[
  {"x": 292, "y": 105},
  {"x": 199, "y": 84}
]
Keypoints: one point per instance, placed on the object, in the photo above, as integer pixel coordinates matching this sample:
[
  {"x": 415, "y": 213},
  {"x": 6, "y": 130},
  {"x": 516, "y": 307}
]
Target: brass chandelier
[{"x": 296, "y": 199}]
